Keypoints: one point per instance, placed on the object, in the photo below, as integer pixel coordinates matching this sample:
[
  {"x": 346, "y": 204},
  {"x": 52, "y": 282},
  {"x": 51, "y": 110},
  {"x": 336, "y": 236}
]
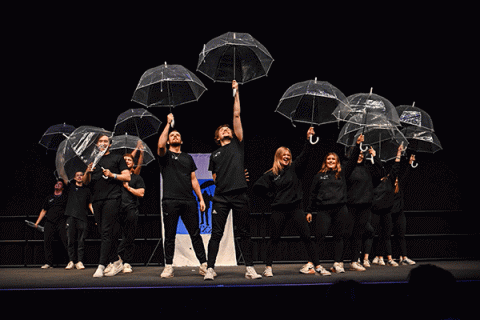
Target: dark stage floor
[
  {"x": 188, "y": 292},
  {"x": 188, "y": 277}
]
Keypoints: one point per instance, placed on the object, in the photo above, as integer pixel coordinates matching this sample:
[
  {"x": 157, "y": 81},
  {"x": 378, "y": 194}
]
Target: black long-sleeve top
[
  {"x": 327, "y": 190},
  {"x": 284, "y": 189},
  {"x": 384, "y": 191},
  {"x": 360, "y": 182}
]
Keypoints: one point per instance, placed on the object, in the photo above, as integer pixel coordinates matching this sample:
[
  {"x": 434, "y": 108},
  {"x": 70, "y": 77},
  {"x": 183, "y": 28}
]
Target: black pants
[
  {"x": 358, "y": 216},
  {"x": 128, "y": 225},
  {"x": 76, "y": 232},
  {"x": 106, "y": 215},
  {"x": 188, "y": 211},
  {"x": 399, "y": 222},
  {"x": 278, "y": 221},
  {"x": 334, "y": 217},
  {"x": 51, "y": 230},
  {"x": 381, "y": 224},
  {"x": 240, "y": 206}
]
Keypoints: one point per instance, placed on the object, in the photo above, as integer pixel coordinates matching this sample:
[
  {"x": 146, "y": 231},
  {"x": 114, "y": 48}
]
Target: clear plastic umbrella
[
  {"x": 54, "y": 135},
  {"x": 313, "y": 102},
  {"x": 234, "y": 56},
  {"x": 168, "y": 86},
  {"x": 138, "y": 122},
  {"x": 414, "y": 116},
  {"x": 384, "y": 137},
  {"x": 368, "y": 109},
  {"x": 131, "y": 144},
  {"x": 79, "y": 150}
]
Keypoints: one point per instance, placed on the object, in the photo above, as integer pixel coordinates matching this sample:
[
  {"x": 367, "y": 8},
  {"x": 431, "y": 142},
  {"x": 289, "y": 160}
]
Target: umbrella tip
[
  {"x": 371, "y": 89},
  {"x": 413, "y": 104},
  {"x": 165, "y": 64},
  {"x": 315, "y": 79}
]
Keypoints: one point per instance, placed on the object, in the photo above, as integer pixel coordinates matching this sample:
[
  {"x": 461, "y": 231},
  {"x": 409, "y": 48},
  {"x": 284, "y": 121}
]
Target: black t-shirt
[
  {"x": 55, "y": 206},
  {"x": 78, "y": 200},
  {"x": 176, "y": 169},
  {"x": 227, "y": 163},
  {"x": 128, "y": 198},
  {"x": 110, "y": 188}
]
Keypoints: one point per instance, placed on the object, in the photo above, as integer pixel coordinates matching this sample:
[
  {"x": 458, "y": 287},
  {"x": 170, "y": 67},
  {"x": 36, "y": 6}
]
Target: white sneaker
[
  {"x": 69, "y": 266},
  {"x": 203, "y": 269},
  {"x": 127, "y": 268},
  {"x": 366, "y": 263},
  {"x": 79, "y": 265},
  {"x": 268, "y": 272},
  {"x": 405, "y": 261},
  {"x": 375, "y": 260},
  {"x": 117, "y": 267},
  {"x": 355, "y": 266},
  {"x": 108, "y": 268},
  {"x": 99, "y": 272},
  {"x": 252, "y": 274},
  {"x": 167, "y": 272},
  {"x": 308, "y": 268},
  {"x": 46, "y": 266},
  {"x": 337, "y": 267},
  {"x": 392, "y": 263},
  {"x": 322, "y": 271},
  {"x": 210, "y": 275}
]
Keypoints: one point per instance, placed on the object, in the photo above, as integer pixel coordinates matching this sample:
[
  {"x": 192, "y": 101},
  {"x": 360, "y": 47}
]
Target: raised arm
[
  {"x": 237, "y": 121},
  {"x": 162, "y": 141}
]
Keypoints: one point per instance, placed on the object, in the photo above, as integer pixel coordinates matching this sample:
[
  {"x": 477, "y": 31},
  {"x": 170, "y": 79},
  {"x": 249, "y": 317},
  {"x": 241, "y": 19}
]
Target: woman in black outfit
[
  {"x": 381, "y": 218},
  {"x": 398, "y": 215},
  {"x": 282, "y": 185},
  {"x": 359, "y": 200},
  {"x": 328, "y": 197}
]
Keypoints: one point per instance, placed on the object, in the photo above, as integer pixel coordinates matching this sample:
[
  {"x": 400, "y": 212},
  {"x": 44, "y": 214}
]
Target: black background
[{"x": 80, "y": 65}]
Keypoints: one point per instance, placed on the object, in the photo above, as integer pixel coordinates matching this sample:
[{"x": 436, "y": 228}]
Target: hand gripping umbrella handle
[
  {"x": 312, "y": 142},
  {"x": 361, "y": 147}
]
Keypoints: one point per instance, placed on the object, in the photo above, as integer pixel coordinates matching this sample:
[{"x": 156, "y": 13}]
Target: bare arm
[
  {"x": 40, "y": 217},
  {"x": 198, "y": 191},
  {"x": 139, "y": 193},
  {"x": 237, "y": 121},
  {"x": 162, "y": 141}
]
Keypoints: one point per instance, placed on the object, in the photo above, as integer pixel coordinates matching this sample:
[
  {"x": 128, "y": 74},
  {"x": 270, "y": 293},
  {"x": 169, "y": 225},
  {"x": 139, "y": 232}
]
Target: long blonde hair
[
  {"x": 277, "y": 167},
  {"x": 338, "y": 167}
]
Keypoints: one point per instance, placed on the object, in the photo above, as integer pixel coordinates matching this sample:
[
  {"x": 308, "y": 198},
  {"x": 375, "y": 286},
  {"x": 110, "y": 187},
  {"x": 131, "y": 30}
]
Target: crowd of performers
[{"x": 353, "y": 200}]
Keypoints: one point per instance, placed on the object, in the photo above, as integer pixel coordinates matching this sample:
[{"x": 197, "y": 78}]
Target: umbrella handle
[
  {"x": 172, "y": 124},
  {"x": 361, "y": 147},
  {"x": 234, "y": 92},
  {"x": 316, "y": 141},
  {"x": 414, "y": 165}
]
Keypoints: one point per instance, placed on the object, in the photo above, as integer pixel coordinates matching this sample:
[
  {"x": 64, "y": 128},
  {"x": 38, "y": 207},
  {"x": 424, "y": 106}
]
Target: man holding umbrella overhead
[{"x": 227, "y": 167}]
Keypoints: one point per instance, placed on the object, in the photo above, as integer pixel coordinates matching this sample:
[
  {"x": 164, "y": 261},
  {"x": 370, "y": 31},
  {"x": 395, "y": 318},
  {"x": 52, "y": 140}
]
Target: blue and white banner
[{"x": 184, "y": 254}]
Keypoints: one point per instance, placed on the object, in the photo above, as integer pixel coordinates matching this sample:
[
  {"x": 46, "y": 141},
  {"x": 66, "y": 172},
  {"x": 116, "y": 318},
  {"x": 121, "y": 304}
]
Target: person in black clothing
[
  {"x": 107, "y": 182},
  {"x": 381, "y": 218},
  {"x": 179, "y": 183},
  {"x": 54, "y": 209},
  {"x": 131, "y": 192},
  {"x": 79, "y": 202},
  {"x": 283, "y": 186},
  {"x": 398, "y": 215},
  {"x": 328, "y": 197},
  {"x": 227, "y": 167},
  {"x": 359, "y": 200}
]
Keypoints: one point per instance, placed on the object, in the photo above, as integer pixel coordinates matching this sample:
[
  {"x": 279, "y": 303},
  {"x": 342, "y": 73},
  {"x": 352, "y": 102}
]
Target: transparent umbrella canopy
[{"x": 79, "y": 150}]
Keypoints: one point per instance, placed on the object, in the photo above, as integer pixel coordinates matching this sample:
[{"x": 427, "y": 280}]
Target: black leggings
[
  {"x": 337, "y": 218},
  {"x": 359, "y": 215},
  {"x": 381, "y": 223},
  {"x": 278, "y": 221}
]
